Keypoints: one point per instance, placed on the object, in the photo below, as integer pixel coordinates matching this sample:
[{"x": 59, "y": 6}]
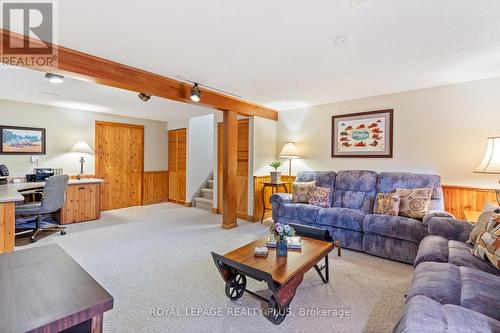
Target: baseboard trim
[{"x": 188, "y": 204}]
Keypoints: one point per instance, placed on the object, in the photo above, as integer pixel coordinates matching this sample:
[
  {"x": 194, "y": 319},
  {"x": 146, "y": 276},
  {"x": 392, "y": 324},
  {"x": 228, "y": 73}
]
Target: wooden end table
[
  {"x": 283, "y": 275},
  {"x": 275, "y": 186},
  {"x": 44, "y": 290}
]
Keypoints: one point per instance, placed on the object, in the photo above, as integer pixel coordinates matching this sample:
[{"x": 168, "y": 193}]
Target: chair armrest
[
  {"x": 450, "y": 228},
  {"x": 436, "y": 213},
  {"x": 278, "y": 200}
]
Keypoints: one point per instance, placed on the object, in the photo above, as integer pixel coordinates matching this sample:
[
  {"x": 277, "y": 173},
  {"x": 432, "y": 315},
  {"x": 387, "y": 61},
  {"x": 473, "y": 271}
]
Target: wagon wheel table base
[{"x": 283, "y": 275}]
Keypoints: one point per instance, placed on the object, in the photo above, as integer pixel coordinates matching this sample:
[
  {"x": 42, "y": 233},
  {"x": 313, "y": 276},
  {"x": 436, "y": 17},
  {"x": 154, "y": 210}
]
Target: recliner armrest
[
  {"x": 450, "y": 228},
  {"x": 278, "y": 200},
  {"x": 436, "y": 213}
]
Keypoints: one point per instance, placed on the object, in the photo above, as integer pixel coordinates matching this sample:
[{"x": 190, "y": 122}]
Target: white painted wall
[
  {"x": 439, "y": 130},
  {"x": 200, "y": 153},
  {"x": 264, "y": 145},
  {"x": 65, "y": 127}
]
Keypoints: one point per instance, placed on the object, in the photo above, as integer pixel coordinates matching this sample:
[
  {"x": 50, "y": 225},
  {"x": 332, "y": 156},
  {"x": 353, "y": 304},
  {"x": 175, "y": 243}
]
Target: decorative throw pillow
[
  {"x": 488, "y": 213},
  {"x": 320, "y": 196},
  {"x": 300, "y": 191},
  {"x": 387, "y": 204},
  {"x": 488, "y": 247},
  {"x": 414, "y": 203}
]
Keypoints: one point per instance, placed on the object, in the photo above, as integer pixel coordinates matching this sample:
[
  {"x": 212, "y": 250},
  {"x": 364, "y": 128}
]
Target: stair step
[
  {"x": 210, "y": 184},
  {"x": 203, "y": 203},
  {"x": 207, "y": 193}
]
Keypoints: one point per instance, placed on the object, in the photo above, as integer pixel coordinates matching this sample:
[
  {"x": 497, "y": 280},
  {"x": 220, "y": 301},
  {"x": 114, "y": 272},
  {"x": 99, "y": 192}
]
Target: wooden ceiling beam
[{"x": 76, "y": 64}]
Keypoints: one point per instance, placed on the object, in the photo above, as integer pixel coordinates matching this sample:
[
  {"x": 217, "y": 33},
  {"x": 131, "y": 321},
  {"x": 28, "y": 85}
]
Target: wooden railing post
[{"x": 229, "y": 169}]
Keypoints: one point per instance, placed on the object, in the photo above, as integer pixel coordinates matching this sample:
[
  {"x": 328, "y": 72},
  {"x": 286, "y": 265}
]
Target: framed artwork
[
  {"x": 22, "y": 140},
  {"x": 365, "y": 134}
]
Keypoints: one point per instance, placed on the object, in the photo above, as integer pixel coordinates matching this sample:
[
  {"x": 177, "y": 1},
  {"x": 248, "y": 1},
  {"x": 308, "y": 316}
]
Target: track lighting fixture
[
  {"x": 144, "y": 97},
  {"x": 54, "y": 78},
  {"x": 195, "y": 93}
]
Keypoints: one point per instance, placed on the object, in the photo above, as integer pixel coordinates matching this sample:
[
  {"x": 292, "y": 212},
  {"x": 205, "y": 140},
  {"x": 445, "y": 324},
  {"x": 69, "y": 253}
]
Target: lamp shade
[
  {"x": 81, "y": 147},
  {"x": 289, "y": 151},
  {"x": 491, "y": 161}
]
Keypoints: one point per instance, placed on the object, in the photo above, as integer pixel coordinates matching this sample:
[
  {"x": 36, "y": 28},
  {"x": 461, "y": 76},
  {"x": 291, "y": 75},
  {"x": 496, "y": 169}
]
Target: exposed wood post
[{"x": 229, "y": 169}]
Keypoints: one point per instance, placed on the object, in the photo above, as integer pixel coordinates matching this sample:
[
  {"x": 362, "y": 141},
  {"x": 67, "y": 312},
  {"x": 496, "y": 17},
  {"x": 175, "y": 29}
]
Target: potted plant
[
  {"x": 275, "y": 175},
  {"x": 281, "y": 232}
]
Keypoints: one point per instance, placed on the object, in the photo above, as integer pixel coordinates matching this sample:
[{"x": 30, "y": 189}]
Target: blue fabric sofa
[
  {"x": 350, "y": 217},
  {"x": 452, "y": 290}
]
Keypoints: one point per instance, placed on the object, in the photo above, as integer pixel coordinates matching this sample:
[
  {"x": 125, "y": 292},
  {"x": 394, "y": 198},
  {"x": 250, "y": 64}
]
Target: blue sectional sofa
[
  {"x": 452, "y": 290},
  {"x": 350, "y": 217}
]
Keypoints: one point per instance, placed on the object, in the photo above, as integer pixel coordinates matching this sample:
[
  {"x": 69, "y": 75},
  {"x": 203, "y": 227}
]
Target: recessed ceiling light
[
  {"x": 343, "y": 39},
  {"x": 357, "y": 3},
  {"x": 54, "y": 78}
]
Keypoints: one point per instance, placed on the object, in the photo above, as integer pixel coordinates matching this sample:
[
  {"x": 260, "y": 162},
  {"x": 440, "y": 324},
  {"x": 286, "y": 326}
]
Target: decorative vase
[
  {"x": 275, "y": 176},
  {"x": 281, "y": 248}
]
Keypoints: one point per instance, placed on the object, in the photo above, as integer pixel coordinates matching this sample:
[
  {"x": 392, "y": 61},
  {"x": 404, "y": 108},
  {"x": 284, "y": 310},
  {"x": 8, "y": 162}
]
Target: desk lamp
[{"x": 81, "y": 147}]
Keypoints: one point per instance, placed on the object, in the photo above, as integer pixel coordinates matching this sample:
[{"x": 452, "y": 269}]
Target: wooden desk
[
  {"x": 472, "y": 216},
  {"x": 81, "y": 204},
  {"x": 44, "y": 290}
]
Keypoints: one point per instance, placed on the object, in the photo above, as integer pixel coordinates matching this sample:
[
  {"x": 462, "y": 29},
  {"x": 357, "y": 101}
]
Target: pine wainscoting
[{"x": 155, "y": 187}]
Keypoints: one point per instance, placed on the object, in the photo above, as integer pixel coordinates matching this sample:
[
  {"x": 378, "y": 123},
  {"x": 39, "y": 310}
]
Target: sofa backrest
[
  {"x": 389, "y": 181},
  {"x": 322, "y": 178},
  {"x": 355, "y": 189}
]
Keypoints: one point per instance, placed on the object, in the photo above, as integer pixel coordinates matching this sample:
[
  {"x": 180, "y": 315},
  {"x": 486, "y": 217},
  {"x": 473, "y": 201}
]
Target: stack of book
[{"x": 293, "y": 243}]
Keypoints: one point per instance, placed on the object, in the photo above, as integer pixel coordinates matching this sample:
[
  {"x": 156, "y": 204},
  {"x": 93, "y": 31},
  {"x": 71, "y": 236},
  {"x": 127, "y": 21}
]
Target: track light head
[
  {"x": 54, "y": 78},
  {"x": 144, "y": 97},
  {"x": 195, "y": 93}
]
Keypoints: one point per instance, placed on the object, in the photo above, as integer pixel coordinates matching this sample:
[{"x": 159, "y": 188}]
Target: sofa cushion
[
  {"x": 423, "y": 314},
  {"x": 355, "y": 189},
  {"x": 390, "y": 181},
  {"x": 300, "y": 191},
  {"x": 300, "y": 212},
  {"x": 414, "y": 203},
  {"x": 487, "y": 247},
  {"x": 345, "y": 218},
  {"x": 320, "y": 196},
  {"x": 322, "y": 178},
  {"x": 463, "y": 286},
  {"x": 440, "y": 249},
  {"x": 395, "y": 227},
  {"x": 387, "y": 204}
]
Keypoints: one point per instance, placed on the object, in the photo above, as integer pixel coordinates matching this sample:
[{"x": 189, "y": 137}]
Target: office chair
[{"x": 52, "y": 199}]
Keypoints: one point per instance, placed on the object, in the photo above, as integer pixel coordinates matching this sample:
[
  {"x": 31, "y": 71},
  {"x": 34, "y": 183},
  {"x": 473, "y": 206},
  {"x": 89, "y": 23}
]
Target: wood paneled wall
[
  {"x": 7, "y": 227},
  {"x": 457, "y": 199},
  {"x": 242, "y": 172},
  {"x": 155, "y": 187},
  {"x": 120, "y": 162},
  {"x": 257, "y": 197},
  {"x": 177, "y": 160}
]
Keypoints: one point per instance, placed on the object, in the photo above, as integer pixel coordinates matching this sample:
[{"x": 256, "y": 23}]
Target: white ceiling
[
  {"x": 30, "y": 86},
  {"x": 283, "y": 53}
]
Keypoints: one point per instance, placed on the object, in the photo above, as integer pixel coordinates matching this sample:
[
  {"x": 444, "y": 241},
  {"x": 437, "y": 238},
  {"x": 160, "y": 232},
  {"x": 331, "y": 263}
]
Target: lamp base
[{"x": 82, "y": 161}]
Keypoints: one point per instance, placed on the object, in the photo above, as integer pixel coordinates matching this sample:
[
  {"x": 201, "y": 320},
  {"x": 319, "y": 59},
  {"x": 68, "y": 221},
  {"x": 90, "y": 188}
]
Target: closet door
[
  {"x": 172, "y": 166},
  {"x": 120, "y": 162},
  {"x": 177, "y": 160}
]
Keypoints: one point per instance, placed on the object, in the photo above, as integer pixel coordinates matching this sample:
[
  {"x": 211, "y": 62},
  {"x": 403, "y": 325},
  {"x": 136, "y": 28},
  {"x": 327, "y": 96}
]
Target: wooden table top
[
  {"x": 282, "y": 269},
  {"x": 44, "y": 289}
]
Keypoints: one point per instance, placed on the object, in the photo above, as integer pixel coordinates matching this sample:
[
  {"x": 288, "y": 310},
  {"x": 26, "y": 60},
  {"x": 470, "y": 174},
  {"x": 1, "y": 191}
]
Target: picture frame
[
  {"x": 16, "y": 140},
  {"x": 363, "y": 135}
]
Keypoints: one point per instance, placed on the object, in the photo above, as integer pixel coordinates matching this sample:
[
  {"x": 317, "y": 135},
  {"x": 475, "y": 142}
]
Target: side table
[{"x": 275, "y": 186}]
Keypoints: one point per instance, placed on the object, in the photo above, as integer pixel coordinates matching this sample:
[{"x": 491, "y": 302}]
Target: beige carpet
[{"x": 157, "y": 258}]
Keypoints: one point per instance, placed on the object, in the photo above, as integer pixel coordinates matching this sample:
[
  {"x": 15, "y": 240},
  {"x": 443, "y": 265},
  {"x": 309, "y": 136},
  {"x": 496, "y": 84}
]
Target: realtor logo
[{"x": 32, "y": 27}]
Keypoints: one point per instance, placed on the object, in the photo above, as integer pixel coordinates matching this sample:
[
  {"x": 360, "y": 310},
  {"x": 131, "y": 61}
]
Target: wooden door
[
  {"x": 177, "y": 160},
  {"x": 120, "y": 162},
  {"x": 242, "y": 173}
]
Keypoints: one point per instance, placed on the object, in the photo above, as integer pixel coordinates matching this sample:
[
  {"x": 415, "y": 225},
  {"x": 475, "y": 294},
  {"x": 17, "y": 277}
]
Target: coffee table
[{"x": 283, "y": 275}]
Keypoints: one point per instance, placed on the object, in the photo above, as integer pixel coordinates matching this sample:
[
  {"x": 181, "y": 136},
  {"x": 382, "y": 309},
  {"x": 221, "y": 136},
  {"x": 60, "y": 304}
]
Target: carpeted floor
[{"x": 155, "y": 261}]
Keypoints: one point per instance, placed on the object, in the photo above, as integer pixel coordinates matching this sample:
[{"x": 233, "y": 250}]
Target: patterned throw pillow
[
  {"x": 387, "y": 204},
  {"x": 320, "y": 196},
  {"x": 488, "y": 246},
  {"x": 414, "y": 203},
  {"x": 300, "y": 191},
  {"x": 489, "y": 212}
]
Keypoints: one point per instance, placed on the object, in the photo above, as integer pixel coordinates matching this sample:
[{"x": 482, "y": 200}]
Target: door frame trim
[{"x": 96, "y": 149}]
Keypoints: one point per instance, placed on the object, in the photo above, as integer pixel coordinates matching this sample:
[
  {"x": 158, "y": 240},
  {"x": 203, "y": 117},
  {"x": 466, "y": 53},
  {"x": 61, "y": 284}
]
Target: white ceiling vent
[{"x": 357, "y": 3}]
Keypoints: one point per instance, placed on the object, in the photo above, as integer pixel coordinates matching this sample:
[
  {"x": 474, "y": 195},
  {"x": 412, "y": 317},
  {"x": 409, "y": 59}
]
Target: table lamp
[
  {"x": 81, "y": 147},
  {"x": 289, "y": 151},
  {"x": 491, "y": 161}
]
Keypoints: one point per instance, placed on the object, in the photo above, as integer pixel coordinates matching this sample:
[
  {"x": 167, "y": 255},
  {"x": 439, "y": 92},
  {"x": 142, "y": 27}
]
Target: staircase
[{"x": 205, "y": 197}]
